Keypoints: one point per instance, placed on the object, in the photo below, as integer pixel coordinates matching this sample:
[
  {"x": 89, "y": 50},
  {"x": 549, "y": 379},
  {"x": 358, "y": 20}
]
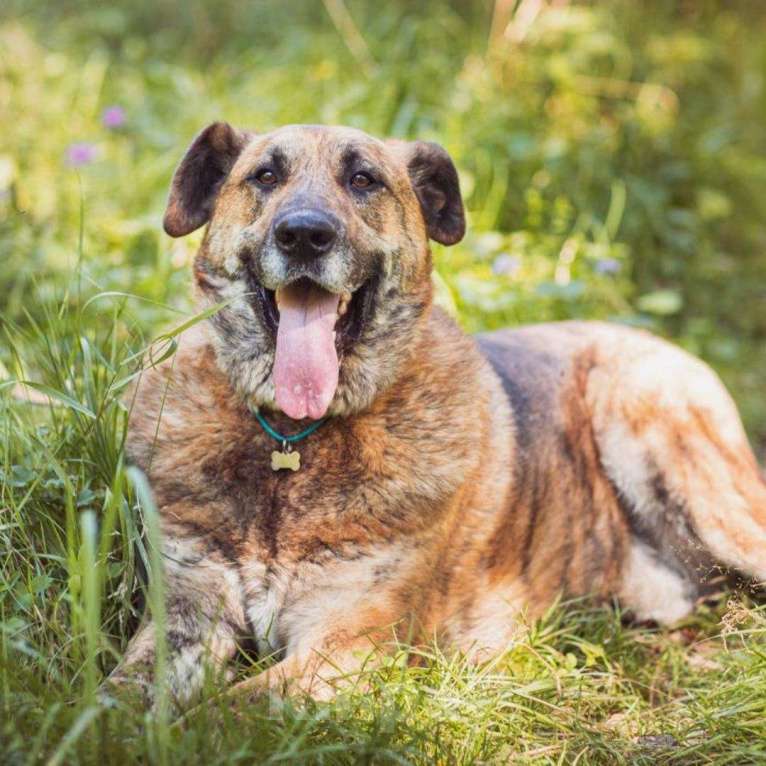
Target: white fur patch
[{"x": 652, "y": 590}]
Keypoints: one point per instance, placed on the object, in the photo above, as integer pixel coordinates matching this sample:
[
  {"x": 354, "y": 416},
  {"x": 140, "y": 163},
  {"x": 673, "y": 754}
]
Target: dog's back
[{"x": 660, "y": 426}]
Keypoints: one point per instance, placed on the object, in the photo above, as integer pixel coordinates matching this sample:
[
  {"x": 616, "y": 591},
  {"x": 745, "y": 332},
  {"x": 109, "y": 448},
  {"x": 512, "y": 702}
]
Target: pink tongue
[{"x": 306, "y": 363}]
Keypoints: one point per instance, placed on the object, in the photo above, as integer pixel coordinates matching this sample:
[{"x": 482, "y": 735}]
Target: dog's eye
[
  {"x": 362, "y": 181},
  {"x": 265, "y": 177}
]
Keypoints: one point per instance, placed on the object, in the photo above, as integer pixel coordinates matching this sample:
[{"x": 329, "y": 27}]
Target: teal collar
[{"x": 281, "y": 438}]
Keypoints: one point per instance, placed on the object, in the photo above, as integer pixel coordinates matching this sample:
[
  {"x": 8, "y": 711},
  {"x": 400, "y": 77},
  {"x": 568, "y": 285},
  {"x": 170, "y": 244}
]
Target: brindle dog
[{"x": 457, "y": 484}]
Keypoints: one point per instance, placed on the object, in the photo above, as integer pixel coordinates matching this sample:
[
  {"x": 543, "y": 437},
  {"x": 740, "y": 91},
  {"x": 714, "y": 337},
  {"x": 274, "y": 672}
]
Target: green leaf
[
  {"x": 40, "y": 583},
  {"x": 661, "y": 302},
  {"x": 65, "y": 399}
]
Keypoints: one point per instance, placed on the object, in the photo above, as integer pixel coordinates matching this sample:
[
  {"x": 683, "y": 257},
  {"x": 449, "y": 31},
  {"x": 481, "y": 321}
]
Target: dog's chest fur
[{"x": 372, "y": 500}]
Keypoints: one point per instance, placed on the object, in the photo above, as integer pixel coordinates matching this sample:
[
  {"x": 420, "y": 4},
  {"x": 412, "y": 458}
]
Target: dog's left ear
[
  {"x": 435, "y": 181},
  {"x": 200, "y": 175}
]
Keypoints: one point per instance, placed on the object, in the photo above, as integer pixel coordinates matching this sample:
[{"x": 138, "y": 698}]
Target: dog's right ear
[{"x": 200, "y": 175}]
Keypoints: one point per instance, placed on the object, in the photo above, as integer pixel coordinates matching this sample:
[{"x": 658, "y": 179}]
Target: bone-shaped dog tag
[{"x": 282, "y": 460}]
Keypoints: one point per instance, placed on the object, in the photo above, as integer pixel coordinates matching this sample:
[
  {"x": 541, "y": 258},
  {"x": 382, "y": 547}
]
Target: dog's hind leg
[{"x": 672, "y": 443}]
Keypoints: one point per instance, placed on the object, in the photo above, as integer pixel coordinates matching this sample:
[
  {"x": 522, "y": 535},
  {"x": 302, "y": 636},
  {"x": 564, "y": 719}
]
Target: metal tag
[{"x": 283, "y": 460}]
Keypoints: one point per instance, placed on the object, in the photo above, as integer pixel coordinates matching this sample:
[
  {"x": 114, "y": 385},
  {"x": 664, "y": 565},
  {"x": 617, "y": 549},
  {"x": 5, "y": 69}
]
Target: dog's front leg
[
  {"x": 203, "y": 618},
  {"x": 319, "y": 673},
  {"x": 193, "y": 643},
  {"x": 333, "y": 652}
]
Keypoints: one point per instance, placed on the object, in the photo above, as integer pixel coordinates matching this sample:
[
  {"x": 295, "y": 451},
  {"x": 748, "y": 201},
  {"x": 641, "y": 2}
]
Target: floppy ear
[
  {"x": 200, "y": 175},
  {"x": 434, "y": 179}
]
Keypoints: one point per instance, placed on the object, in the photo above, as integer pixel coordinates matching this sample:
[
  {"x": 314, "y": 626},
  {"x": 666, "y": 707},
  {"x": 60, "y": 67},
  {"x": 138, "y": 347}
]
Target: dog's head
[{"x": 317, "y": 240}]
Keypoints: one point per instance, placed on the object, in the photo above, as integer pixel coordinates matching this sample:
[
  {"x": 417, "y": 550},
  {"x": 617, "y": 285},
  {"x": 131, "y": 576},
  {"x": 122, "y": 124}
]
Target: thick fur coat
[{"x": 457, "y": 485}]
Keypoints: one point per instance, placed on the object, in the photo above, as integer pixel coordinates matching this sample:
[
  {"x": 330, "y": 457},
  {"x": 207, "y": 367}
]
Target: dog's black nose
[{"x": 307, "y": 233}]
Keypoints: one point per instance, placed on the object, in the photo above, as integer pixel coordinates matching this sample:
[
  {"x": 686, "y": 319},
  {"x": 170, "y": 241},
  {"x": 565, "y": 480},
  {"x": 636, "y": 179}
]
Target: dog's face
[{"x": 318, "y": 241}]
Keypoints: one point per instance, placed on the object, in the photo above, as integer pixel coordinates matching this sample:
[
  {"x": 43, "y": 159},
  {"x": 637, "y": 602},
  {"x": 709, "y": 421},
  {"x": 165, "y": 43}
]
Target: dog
[{"x": 444, "y": 487}]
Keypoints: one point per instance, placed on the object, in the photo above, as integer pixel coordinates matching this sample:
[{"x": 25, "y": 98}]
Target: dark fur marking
[
  {"x": 525, "y": 373},
  {"x": 215, "y": 540},
  {"x": 178, "y": 640},
  {"x": 270, "y": 517},
  {"x": 678, "y": 549},
  {"x": 535, "y": 504}
]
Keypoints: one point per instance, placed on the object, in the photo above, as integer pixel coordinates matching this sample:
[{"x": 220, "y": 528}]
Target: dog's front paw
[{"x": 130, "y": 690}]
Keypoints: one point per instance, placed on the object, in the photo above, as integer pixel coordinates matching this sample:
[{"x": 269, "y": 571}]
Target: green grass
[{"x": 612, "y": 159}]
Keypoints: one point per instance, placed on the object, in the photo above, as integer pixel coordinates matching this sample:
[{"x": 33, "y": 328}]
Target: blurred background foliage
[
  {"x": 612, "y": 153},
  {"x": 613, "y": 161}
]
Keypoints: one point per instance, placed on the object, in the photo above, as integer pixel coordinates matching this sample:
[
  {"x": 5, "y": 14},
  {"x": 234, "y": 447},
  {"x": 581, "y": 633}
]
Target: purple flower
[
  {"x": 607, "y": 266},
  {"x": 80, "y": 153},
  {"x": 113, "y": 117},
  {"x": 506, "y": 264}
]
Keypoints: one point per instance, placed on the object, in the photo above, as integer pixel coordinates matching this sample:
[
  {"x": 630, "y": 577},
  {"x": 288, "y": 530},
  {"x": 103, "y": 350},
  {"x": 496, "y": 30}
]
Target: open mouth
[
  {"x": 313, "y": 328},
  {"x": 353, "y": 309}
]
